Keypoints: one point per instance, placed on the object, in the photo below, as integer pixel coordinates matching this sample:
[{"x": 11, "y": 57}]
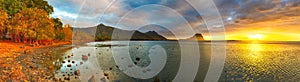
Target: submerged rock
[
  {"x": 77, "y": 72},
  {"x": 84, "y": 57},
  {"x": 137, "y": 59},
  {"x": 92, "y": 79},
  {"x": 69, "y": 65},
  {"x": 106, "y": 74}
]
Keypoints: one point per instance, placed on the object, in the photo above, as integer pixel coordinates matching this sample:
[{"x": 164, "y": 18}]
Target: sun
[{"x": 255, "y": 37}]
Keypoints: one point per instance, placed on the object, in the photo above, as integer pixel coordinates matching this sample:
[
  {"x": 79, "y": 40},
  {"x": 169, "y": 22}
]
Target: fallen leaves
[{"x": 35, "y": 65}]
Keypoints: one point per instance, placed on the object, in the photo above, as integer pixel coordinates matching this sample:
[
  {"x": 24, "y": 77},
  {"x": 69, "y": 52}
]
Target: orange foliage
[
  {"x": 68, "y": 32},
  {"x": 32, "y": 24}
]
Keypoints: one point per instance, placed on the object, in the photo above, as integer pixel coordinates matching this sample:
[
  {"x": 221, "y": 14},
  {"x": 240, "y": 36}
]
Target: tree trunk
[{"x": 24, "y": 40}]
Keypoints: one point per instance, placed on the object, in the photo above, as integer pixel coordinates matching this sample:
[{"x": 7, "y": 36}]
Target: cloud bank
[{"x": 237, "y": 15}]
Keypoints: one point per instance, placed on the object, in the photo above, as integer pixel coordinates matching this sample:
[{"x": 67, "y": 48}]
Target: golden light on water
[
  {"x": 254, "y": 55},
  {"x": 256, "y": 37}
]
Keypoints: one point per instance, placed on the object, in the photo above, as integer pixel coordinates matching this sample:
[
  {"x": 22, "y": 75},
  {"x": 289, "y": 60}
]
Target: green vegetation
[{"x": 29, "y": 21}]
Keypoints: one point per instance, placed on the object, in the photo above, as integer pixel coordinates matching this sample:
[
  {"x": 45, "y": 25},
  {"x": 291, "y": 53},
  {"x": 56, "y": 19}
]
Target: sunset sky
[{"x": 274, "y": 20}]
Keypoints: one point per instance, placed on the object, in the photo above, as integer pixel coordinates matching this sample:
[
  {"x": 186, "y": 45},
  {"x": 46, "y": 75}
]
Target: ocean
[{"x": 148, "y": 61}]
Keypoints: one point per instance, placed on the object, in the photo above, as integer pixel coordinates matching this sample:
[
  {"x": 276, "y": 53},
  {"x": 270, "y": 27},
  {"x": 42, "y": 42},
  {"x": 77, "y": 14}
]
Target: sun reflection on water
[
  {"x": 255, "y": 51},
  {"x": 262, "y": 62}
]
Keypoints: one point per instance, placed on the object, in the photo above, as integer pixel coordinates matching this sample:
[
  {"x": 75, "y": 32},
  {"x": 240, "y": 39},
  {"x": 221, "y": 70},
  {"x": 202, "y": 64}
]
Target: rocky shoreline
[{"x": 19, "y": 62}]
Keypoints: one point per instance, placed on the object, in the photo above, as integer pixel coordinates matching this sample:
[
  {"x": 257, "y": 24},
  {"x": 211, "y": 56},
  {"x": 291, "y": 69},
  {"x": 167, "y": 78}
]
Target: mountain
[
  {"x": 104, "y": 32},
  {"x": 197, "y": 37},
  {"x": 154, "y": 35}
]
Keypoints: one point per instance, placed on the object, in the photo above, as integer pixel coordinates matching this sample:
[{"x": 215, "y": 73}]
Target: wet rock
[
  {"x": 26, "y": 51},
  {"x": 156, "y": 80},
  {"x": 73, "y": 61},
  {"x": 51, "y": 67},
  {"x": 92, "y": 79},
  {"x": 130, "y": 65},
  {"x": 148, "y": 69},
  {"x": 69, "y": 65},
  {"x": 84, "y": 58},
  {"x": 77, "y": 72},
  {"x": 103, "y": 79},
  {"x": 137, "y": 59},
  {"x": 106, "y": 74},
  {"x": 67, "y": 78}
]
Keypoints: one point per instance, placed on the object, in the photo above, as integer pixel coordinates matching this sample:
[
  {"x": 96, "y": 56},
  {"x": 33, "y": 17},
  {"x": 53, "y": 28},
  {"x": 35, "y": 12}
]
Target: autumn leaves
[{"x": 31, "y": 23}]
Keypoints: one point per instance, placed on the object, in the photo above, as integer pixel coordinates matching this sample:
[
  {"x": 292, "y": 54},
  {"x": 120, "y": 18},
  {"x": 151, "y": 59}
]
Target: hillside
[{"x": 104, "y": 33}]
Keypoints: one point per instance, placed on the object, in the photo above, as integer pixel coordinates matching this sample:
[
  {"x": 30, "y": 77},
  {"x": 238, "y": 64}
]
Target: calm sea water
[
  {"x": 244, "y": 62},
  {"x": 262, "y": 62}
]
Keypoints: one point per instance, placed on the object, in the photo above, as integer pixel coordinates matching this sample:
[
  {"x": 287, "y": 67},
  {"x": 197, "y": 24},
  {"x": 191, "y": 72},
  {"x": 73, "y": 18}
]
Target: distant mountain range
[{"x": 106, "y": 33}]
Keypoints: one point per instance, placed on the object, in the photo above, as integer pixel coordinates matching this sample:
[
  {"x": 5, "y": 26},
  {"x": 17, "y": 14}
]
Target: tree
[
  {"x": 40, "y": 4},
  {"x": 58, "y": 27},
  {"x": 32, "y": 24},
  {"x": 14, "y": 6},
  {"x": 11, "y": 6},
  {"x": 67, "y": 32},
  {"x": 3, "y": 22},
  {"x": 29, "y": 20}
]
